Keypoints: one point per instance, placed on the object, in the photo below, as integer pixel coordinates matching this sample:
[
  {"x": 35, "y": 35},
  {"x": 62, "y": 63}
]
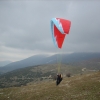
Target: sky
[{"x": 25, "y": 27}]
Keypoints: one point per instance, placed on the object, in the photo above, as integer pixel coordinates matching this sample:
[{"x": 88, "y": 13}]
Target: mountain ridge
[{"x": 54, "y": 59}]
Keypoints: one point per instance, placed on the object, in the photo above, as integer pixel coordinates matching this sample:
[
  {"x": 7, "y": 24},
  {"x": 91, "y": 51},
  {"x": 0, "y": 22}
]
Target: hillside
[
  {"x": 23, "y": 76},
  {"x": 92, "y": 64},
  {"x": 45, "y": 59},
  {"x": 78, "y": 87}
]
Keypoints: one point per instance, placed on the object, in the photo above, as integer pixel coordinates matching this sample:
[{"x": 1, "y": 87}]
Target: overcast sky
[{"x": 25, "y": 27}]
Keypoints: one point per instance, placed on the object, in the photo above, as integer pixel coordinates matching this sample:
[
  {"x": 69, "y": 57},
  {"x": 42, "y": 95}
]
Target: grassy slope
[
  {"x": 25, "y": 75},
  {"x": 79, "y": 87}
]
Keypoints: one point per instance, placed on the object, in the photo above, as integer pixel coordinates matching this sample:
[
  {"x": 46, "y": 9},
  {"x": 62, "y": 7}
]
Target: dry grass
[{"x": 79, "y": 87}]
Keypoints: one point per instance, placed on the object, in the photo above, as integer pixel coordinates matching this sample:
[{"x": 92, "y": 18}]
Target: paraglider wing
[{"x": 59, "y": 28}]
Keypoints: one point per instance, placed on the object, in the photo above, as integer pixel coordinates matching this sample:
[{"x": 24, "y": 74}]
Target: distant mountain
[
  {"x": 92, "y": 64},
  {"x": 78, "y": 57},
  {"x": 44, "y": 59},
  {"x": 34, "y": 60},
  {"x": 4, "y": 63}
]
